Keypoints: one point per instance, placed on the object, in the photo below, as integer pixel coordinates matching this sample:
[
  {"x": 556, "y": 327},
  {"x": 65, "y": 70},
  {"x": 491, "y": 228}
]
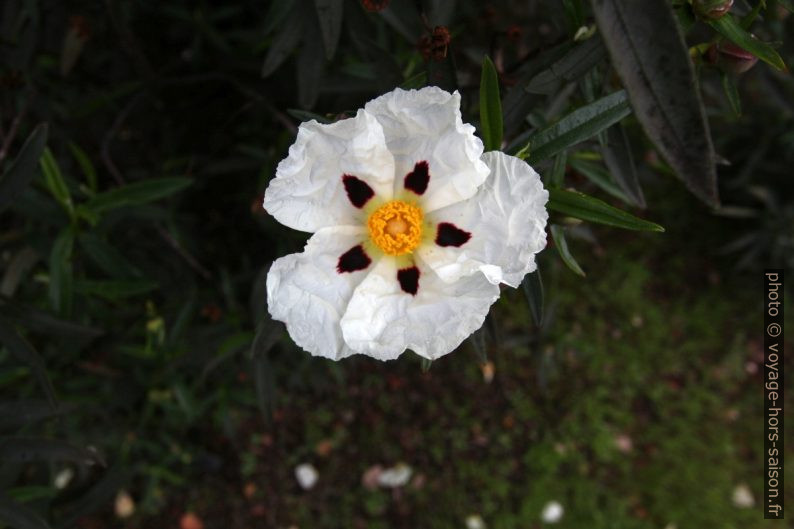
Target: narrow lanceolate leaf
[
  {"x": 22, "y": 171},
  {"x": 25, "y": 353},
  {"x": 27, "y": 449},
  {"x": 591, "y": 209},
  {"x": 54, "y": 181},
  {"x": 558, "y": 234},
  {"x": 620, "y": 162},
  {"x": 533, "y": 290},
  {"x": 285, "y": 41},
  {"x": 729, "y": 28},
  {"x": 330, "y": 14},
  {"x": 18, "y": 516},
  {"x": 490, "y": 107},
  {"x": 574, "y": 64},
  {"x": 650, "y": 56},
  {"x": 113, "y": 290},
  {"x": 61, "y": 272},
  {"x": 732, "y": 93},
  {"x": 310, "y": 65},
  {"x": 136, "y": 193},
  {"x": 581, "y": 124},
  {"x": 598, "y": 175}
]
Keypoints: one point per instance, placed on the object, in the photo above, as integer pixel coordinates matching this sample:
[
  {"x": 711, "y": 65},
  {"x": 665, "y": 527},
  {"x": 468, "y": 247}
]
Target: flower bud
[
  {"x": 712, "y": 9},
  {"x": 730, "y": 58}
]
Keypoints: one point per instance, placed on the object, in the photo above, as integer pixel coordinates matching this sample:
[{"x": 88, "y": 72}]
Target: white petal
[
  {"x": 305, "y": 291},
  {"x": 426, "y": 125},
  {"x": 382, "y": 321},
  {"x": 307, "y": 193},
  {"x": 507, "y": 219}
]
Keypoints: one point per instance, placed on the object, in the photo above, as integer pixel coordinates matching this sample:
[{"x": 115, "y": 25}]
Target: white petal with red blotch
[
  {"x": 507, "y": 219},
  {"x": 308, "y": 194},
  {"x": 305, "y": 291},
  {"x": 426, "y": 125},
  {"x": 382, "y": 321}
]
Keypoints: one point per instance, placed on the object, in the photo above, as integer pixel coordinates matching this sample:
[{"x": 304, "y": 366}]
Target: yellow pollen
[{"x": 396, "y": 227}]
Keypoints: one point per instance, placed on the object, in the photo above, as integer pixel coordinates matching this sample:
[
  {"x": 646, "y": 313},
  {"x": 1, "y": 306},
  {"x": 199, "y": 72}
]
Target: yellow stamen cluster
[{"x": 396, "y": 227}]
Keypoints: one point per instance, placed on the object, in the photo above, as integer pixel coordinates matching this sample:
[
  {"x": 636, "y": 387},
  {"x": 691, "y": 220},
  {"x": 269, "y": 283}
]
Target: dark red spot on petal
[
  {"x": 417, "y": 179},
  {"x": 409, "y": 280},
  {"x": 358, "y": 191},
  {"x": 352, "y": 260},
  {"x": 450, "y": 235}
]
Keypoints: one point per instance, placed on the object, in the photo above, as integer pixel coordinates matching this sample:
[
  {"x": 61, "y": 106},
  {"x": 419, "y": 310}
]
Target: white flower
[
  {"x": 396, "y": 476},
  {"x": 552, "y": 512},
  {"x": 414, "y": 229},
  {"x": 306, "y": 475}
]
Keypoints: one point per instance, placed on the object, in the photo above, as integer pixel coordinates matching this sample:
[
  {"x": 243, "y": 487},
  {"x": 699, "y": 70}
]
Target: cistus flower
[{"x": 414, "y": 228}]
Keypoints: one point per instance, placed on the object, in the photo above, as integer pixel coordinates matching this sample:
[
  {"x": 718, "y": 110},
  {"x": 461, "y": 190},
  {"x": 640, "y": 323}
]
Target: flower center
[{"x": 396, "y": 227}]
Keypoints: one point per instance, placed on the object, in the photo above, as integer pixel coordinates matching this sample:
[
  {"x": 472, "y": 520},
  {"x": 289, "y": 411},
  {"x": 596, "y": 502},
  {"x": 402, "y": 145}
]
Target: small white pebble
[
  {"x": 552, "y": 512},
  {"x": 743, "y": 496},
  {"x": 396, "y": 476},
  {"x": 306, "y": 475},
  {"x": 475, "y": 521},
  {"x": 63, "y": 478},
  {"x": 124, "y": 505}
]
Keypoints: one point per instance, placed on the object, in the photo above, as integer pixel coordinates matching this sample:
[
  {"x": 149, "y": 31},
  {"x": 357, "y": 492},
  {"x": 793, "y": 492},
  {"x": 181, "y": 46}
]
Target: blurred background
[{"x": 143, "y": 385}]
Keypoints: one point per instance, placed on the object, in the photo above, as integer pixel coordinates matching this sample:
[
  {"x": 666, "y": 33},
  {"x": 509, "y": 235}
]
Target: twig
[
  {"x": 191, "y": 261},
  {"x": 120, "y": 180},
  {"x": 111, "y": 133}
]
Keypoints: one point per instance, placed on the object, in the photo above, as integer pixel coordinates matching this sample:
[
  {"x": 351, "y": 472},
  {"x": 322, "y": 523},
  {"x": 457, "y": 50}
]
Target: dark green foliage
[{"x": 136, "y": 352}]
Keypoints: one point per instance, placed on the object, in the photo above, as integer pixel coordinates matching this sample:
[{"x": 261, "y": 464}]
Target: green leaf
[
  {"x": 490, "y": 107},
  {"x": 598, "y": 175},
  {"x": 137, "y": 193},
  {"x": 310, "y": 65},
  {"x": 285, "y": 40},
  {"x": 107, "y": 257},
  {"x": 620, "y": 162},
  {"x": 573, "y": 65},
  {"x": 330, "y": 14},
  {"x": 23, "y": 169},
  {"x": 417, "y": 80},
  {"x": 558, "y": 235},
  {"x": 18, "y": 516},
  {"x": 60, "y": 286},
  {"x": 55, "y": 183},
  {"x": 732, "y": 93},
  {"x": 649, "y": 54},
  {"x": 27, "y": 449},
  {"x": 557, "y": 175},
  {"x": 26, "y": 354},
  {"x": 44, "y": 322},
  {"x": 581, "y": 124},
  {"x": 532, "y": 285},
  {"x": 591, "y": 209},
  {"x": 85, "y": 165},
  {"x": 116, "y": 289},
  {"x": 18, "y": 414},
  {"x": 729, "y": 28}
]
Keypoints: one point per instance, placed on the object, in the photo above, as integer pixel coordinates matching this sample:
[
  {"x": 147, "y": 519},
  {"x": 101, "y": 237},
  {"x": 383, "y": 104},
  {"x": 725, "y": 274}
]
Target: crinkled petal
[
  {"x": 507, "y": 220},
  {"x": 305, "y": 291},
  {"x": 308, "y": 193},
  {"x": 426, "y": 125},
  {"x": 382, "y": 321}
]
